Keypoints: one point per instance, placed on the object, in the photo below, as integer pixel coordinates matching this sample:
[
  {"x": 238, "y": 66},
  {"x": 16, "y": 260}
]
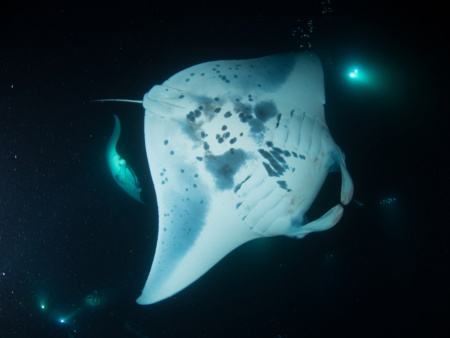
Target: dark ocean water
[{"x": 67, "y": 231}]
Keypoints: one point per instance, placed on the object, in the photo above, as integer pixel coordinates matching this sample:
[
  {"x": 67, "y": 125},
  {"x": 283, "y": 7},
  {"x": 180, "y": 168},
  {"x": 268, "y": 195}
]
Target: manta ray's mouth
[{"x": 327, "y": 197}]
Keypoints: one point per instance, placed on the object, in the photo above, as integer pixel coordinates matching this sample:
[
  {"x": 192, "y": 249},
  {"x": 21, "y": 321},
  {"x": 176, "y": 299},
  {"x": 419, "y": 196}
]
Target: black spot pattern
[
  {"x": 265, "y": 110},
  {"x": 278, "y": 154},
  {"x": 278, "y": 120},
  {"x": 257, "y": 116},
  {"x": 283, "y": 185},
  {"x": 245, "y": 116},
  {"x": 257, "y": 127},
  {"x": 238, "y": 186},
  {"x": 276, "y": 169},
  {"x": 224, "y": 167},
  {"x": 191, "y": 116}
]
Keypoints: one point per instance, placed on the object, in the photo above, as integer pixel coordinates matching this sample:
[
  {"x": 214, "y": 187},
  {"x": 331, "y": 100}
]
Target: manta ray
[
  {"x": 121, "y": 171},
  {"x": 237, "y": 150}
]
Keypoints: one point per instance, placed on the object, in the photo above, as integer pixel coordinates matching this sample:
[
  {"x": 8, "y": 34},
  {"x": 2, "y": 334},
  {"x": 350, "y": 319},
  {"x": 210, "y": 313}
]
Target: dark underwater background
[{"x": 74, "y": 244}]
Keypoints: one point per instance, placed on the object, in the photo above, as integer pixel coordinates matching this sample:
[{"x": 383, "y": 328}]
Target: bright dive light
[
  {"x": 42, "y": 304},
  {"x": 354, "y": 73},
  {"x": 62, "y": 320}
]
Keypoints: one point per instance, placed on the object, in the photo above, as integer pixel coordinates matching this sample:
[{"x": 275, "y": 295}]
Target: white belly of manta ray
[{"x": 237, "y": 149}]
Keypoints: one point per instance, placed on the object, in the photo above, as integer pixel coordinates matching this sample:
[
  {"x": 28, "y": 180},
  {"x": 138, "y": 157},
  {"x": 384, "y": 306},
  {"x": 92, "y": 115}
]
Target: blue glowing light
[
  {"x": 62, "y": 320},
  {"x": 354, "y": 73},
  {"x": 42, "y": 304},
  {"x": 360, "y": 75}
]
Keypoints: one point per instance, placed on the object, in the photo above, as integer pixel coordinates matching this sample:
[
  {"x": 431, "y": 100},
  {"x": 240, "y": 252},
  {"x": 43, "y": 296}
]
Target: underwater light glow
[
  {"x": 354, "y": 73},
  {"x": 62, "y": 320},
  {"x": 42, "y": 304},
  {"x": 360, "y": 75}
]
